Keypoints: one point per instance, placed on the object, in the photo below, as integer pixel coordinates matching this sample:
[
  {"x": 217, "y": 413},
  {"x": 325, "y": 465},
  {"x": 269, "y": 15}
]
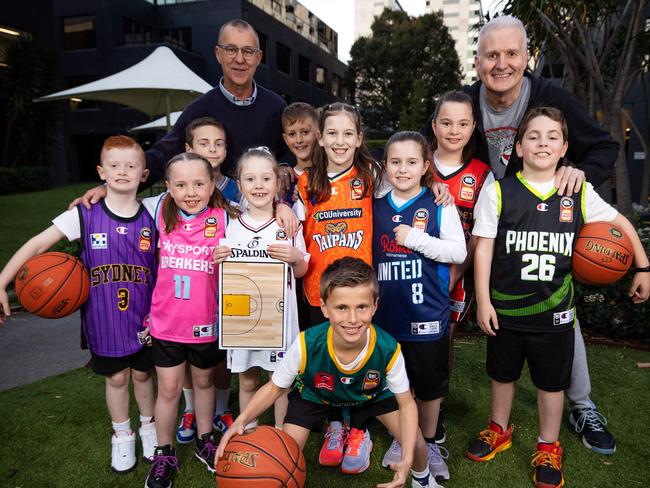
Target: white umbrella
[
  {"x": 157, "y": 85},
  {"x": 157, "y": 124}
]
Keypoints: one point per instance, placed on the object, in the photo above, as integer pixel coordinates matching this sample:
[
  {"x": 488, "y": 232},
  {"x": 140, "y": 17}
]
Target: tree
[
  {"x": 397, "y": 72},
  {"x": 27, "y": 127},
  {"x": 598, "y": 43}
]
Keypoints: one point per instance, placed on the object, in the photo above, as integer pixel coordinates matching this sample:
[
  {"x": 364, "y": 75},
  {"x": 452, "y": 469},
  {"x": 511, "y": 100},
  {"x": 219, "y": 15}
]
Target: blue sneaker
[
  {"x": 591, "y": 425},
  {"x": 223, "y": 422},
  {"x": 186, "y": 432},
  {"x": 356, "y": 458}
]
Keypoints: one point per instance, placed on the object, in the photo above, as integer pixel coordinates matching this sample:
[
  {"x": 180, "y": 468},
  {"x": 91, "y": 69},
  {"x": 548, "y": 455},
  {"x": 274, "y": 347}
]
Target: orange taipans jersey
[{"x": 339, "y": 227}]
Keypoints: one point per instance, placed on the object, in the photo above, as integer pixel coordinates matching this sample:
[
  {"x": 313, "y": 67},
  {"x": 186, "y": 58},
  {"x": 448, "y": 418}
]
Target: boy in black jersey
[{"x": 524, "y": 286}]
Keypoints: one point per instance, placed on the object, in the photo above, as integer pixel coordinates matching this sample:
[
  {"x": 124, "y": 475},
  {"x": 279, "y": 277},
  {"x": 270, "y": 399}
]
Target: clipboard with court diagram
[{"x": 251, "y": 304}]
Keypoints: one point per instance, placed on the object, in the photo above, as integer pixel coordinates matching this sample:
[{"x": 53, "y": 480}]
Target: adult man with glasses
[{"x": 250, "y": 113}]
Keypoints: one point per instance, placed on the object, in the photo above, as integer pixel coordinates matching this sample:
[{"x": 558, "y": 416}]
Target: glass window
[
  {"x": 283, "y": 58},
  {"x": 335, "y": 88},
  {"x": 321, "y": 74},
  {"x": 79, "y": 33},
  {"x": 304, "y": 69},
  {"x": 180, "y": 37}
]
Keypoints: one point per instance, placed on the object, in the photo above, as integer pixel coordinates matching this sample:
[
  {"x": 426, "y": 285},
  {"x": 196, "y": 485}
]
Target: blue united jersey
[
  {"x": 229, "y": 188},
  {"x": 120, "y": 256},
  {"x": 413, "y": 290}
]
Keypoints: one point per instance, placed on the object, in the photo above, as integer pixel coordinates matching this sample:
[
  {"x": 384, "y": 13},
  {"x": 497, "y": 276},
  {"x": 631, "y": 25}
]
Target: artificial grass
[{"x": 56, "y": 432}]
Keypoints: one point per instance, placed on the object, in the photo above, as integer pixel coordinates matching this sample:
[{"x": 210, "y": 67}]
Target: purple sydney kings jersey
[{"x": 119, "y": 255}]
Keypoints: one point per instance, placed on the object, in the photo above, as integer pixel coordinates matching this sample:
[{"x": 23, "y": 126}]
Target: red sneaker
[
  {"x": 490, "y": 442},
  {"x": 331, "y": 454},
  {"x": 547, "y": 462}
]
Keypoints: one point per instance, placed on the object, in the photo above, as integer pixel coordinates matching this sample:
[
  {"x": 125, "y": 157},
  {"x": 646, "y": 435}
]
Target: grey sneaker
[
  {"x": 437, "y": 465},
  {"x": 393, "y": 455}
]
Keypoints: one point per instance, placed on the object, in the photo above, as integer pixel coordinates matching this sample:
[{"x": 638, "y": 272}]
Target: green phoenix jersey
[
  {"x": 322, "y": 378},
  {"x": 531, "y": 281}
]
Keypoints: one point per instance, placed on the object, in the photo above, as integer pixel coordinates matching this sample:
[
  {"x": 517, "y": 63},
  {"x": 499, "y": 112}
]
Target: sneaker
[
  {"x": 149, "y": 440},
  {"x": 331, "y": 454},
  {"x": 490, "y": 442},
  {"x": 223, "y": 422},
  {"x": 437, "y": 465},
  {"x": 424, "y": 483},
  {"x": 393, "y": 455},
  {"x": 162, "y": 468},
  {"x": 357, "y": 452},
  {"x": 123, "y": 457},
  {"x": 205, "y": 450},
  {"x": 547, "y": 462},
  {"x": 186, "y": 432},
  {"x": 591, "y": 424}
]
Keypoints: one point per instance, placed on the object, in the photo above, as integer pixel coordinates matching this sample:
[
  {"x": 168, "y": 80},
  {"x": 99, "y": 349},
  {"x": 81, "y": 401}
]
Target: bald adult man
[{"x": 504, "y": 93}]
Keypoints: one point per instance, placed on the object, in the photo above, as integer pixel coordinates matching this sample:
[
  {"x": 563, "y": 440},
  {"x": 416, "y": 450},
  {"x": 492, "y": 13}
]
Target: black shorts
[
  {"x": 311, "y": 415},
  {"x": 427, "y": 366},
  {"x": 167, "y": 354},
  {"x": 108, "y": 366},
  {"x": 549, "y": 356}
]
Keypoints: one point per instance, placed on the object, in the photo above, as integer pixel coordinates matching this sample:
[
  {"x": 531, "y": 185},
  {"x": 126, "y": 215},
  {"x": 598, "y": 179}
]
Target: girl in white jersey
[
  {"x": 257, "y": 177},
  {"x": 191, "y": 218}
]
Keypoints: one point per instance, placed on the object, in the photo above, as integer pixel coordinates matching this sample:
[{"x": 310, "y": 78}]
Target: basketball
[
  {"x": 602, "y": 254},
  {"x": 52, "y": 285},
  {"x": 264, "y": 457}
]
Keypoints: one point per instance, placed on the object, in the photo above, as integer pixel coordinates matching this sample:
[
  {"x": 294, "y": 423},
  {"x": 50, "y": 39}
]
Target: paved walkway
[{"x": 34, "y": 348}]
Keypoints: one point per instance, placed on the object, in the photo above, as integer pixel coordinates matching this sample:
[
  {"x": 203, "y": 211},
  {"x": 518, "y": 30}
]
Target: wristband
[{"x": 645, "y": 269}]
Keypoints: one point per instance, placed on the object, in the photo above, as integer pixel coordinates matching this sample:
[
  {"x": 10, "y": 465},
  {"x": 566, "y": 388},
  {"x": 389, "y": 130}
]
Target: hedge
[{"x": 24, "y": 179}]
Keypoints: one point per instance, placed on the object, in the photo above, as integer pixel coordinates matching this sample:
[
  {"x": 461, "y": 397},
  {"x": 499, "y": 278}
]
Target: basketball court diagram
[{"x": 251, "y": 304}]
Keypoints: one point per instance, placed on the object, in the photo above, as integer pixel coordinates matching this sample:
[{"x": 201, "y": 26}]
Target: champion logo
[
  {"x": 542, "y": 207},
  {"x": 397, "y": 219},
  {"x": 346, "y": 380},
  {"x": 122, "y": 230},
  {"x": 187, "y": 226}
]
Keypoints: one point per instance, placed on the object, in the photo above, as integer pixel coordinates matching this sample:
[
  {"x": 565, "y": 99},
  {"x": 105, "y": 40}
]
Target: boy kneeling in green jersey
[{"x": 347, "y": 362}]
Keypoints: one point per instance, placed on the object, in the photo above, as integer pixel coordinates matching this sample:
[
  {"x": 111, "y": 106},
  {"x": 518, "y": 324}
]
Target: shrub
[{"x": 24, "y": 179}]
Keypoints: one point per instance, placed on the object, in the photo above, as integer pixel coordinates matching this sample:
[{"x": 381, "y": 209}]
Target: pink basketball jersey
[{"x": 184, "y": 302}]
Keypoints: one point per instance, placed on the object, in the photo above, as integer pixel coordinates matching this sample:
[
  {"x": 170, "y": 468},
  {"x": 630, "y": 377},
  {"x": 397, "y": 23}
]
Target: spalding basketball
[
  {"x": 264, "y": 457},
  {"x": 602, "y": 254},
  {"x": 52, "y": 285}
]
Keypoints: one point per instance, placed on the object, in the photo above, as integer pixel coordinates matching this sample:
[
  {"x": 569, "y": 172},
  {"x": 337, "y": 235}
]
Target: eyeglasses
[{"x": 231, "y": 51}]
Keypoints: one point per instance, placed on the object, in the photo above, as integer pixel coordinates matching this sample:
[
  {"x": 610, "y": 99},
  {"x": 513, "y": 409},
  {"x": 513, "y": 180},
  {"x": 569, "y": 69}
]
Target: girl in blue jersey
[{"x": 414, "y": 242}]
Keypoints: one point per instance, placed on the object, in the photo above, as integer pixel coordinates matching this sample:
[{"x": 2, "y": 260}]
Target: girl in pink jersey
[
  {"x": 191, "y": 218},
  {"x": 257, "y": 177}
]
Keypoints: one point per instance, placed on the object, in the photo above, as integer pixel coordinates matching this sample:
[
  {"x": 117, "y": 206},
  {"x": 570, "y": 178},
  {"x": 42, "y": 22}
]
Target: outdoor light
[{"x": 11, "y": 32}]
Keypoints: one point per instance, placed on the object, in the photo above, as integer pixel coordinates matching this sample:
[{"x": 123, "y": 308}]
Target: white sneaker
[
  {"x": 431, "y": 484},
  {"x": 437, "y": 465},
  {"x": 123, "y": 457},
  {"x": 393, "y": 455},
  {"x": 149, "y": 440}
]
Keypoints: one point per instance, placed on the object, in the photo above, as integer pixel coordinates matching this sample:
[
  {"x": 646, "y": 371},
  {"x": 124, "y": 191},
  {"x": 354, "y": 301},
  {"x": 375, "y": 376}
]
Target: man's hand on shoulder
[
  {"x": 90, "y": 197},
  {"x": 568, "y": 180}
]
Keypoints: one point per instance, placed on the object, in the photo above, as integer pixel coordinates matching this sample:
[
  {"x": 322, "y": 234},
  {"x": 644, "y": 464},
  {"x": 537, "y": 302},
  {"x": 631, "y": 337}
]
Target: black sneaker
[
  {"x": 440, "y": 436},
  {"x": 205, "y": 450},
  {"x": 163, "y": 465},
  {"x": 591, "y": 424}
]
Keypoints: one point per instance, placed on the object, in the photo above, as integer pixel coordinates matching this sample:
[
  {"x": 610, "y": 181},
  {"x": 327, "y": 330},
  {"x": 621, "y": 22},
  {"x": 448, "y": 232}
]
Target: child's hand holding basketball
[
  {"x": 236, "y": 428},
  {"x": 4, "y": 301},
  {"x": 220, "y": 254}
]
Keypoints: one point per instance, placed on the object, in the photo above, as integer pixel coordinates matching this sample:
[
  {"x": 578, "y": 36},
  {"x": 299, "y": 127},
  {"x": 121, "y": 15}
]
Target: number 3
[{"x": 123, "y": 299}]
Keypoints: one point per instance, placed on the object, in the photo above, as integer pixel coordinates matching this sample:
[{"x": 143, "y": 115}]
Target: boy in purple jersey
[{"x": 118, "y": 243}]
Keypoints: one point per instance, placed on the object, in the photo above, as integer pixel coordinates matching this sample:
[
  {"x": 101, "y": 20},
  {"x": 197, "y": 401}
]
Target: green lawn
[
  {"x": 56, "y": 432},
  {"x": 26, "y": 214}
]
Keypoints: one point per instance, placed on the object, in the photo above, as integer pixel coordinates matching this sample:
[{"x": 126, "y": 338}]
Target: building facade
[
  {"x": 365, "y": 12},
  {"x": 96, "y": 38},
  {"x": 460, "y": 17}
]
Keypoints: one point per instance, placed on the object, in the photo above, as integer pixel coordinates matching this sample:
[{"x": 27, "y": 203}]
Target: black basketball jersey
[{"x": 531, "y": 281}]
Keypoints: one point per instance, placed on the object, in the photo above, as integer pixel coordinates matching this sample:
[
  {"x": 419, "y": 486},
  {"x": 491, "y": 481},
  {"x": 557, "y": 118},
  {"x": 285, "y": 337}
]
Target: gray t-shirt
[{"x": 501, "y": 127}]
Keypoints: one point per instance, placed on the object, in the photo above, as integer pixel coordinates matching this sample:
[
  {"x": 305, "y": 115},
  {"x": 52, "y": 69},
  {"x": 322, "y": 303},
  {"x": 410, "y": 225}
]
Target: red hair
[{"x": 122, "y": 142}]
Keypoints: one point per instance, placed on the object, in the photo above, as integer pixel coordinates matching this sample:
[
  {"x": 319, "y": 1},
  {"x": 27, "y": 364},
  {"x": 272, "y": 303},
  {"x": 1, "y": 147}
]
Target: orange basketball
[
  {"x": 52, "y": 285},
  {"x": 264, "y": 457},
  {"x": 602, "y": 254}
]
